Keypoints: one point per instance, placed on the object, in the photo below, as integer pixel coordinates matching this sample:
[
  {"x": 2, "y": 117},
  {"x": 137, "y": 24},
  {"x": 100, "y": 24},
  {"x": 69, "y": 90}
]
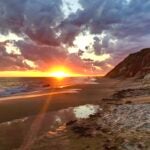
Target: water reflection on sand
[
  {"x": 53, "y": 123},
  {"x": 64, "y": 116},
  {"x": 85, "y": 111},
  {"x": 74, "y": 113}
]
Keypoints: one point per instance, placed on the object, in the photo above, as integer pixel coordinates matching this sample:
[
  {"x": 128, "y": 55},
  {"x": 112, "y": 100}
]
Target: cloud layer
[{"x": 114, "y": 27}]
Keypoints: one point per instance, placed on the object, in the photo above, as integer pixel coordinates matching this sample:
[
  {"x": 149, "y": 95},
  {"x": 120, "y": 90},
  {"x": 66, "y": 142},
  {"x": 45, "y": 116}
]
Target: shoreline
[
  {"x": 26, "y": 105},
  {"x": 122, "y": 118},
  {"x": 37, "y": 94}
]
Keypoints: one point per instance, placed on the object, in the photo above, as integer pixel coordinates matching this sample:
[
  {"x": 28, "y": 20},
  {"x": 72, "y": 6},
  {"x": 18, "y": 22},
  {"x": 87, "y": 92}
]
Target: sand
[
  {"x": 122, "y": 123},
  {"x": 19, "y": 106}
]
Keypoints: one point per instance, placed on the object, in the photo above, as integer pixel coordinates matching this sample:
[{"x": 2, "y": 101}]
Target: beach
[
  {"x": 30, "y": 103},
  {"x": 33, "y": 119}
]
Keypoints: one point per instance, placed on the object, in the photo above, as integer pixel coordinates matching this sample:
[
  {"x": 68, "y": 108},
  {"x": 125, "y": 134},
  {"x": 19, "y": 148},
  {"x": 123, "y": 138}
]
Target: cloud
[
  {"x": 11, "y": 61},
  {"x": 70, "y": 7},
  {"x": 43, "y": 56},
  {"x": 24, "y": 55},
  {"x": 41, "y": 31},
  {"x": 124, "y": 23},
  {"x": 37, "y": 19},
  {"x": 120, "y": 18},
  {"x": 42, "y": 19},
  {"x": 97, "y": 46},
  {"x": 11, "y": 15}
]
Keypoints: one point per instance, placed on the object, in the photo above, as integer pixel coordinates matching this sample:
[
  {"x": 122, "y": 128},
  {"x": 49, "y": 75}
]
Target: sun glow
[
  {"x": 56, "y": 72},
  {"x": 60, "y": 72}
]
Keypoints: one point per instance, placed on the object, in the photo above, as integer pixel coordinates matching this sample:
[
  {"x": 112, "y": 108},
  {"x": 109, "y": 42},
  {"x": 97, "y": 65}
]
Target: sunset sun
[{"x": 60, "y": 72}]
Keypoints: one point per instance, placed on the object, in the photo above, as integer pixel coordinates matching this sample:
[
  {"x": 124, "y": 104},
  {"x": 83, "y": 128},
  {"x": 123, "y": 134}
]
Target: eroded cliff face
[{"x": 135, "y": 65}]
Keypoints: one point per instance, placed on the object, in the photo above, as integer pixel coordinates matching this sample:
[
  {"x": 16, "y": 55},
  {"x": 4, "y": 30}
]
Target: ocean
[{"x": 13, "y": 86}]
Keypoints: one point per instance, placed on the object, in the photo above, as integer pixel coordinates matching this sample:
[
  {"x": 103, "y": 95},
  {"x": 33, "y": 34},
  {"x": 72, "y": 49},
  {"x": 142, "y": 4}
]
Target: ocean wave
[
  {"x": 22, "y": 89},
  {"x": 15, "y": 86}
]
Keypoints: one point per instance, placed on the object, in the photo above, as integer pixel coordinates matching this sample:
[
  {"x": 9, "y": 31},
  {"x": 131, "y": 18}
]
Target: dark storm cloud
[
  {"x": 35, "y": 18},
  {"x": 99, "y": 14},
  {"x": 68, "y": 32},
  {"x": 120, "y": 18},
  {"x": 41, "y": 20},
  {"x": 11, "y": 15}
]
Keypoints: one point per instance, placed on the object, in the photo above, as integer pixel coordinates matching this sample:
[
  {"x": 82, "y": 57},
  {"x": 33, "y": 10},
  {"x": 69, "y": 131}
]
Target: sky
[{"x": 87, "y": 36}]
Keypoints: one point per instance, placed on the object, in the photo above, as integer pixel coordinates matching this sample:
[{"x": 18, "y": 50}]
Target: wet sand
[
  {"x": 122, "y": 121},
  {"x": 27, "y": 104},
  {"x": 19, "y": 106}
]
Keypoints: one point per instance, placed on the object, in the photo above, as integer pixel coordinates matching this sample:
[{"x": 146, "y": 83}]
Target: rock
[
  {"x": 128, "y": 102},
  {"x": 81, "y": 130},
  {"x": 71, "y": 122}
]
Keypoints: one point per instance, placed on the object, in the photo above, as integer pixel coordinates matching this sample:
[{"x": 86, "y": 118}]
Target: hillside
[{"x": 135, "y": 65}]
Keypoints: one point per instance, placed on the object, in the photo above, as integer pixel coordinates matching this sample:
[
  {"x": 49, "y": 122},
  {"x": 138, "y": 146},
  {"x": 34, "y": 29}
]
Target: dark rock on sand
[
  {"x": 71, "y": 122},
  {"x": 128, "y": 93}
]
